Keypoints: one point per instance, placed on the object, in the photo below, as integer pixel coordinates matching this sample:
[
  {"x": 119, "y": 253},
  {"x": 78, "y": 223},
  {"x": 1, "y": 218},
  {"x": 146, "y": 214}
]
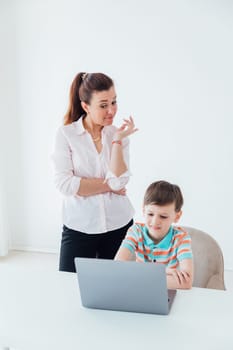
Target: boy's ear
[
  {"x": 84, "y": 106},
  {"x": 178, "y": 215}
]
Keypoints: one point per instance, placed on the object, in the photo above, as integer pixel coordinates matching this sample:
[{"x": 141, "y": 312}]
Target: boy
[{"x": 157, "y": 240}]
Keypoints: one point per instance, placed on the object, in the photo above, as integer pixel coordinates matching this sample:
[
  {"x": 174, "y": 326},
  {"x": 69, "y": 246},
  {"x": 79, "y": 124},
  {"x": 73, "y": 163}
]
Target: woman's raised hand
[{"x": 126, "y": 129}]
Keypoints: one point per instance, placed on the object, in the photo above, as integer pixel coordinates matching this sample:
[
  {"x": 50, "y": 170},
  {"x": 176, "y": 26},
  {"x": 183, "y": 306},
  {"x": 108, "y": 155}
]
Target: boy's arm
[
  {"x": 182, "y": 278},
  {"x": 124, "y": 254},
  {"x": 129, "y": 245}
]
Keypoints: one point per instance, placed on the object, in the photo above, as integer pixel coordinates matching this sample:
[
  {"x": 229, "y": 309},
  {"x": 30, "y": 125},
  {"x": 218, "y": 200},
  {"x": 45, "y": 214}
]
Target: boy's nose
[{"x": 155, "y": 220}]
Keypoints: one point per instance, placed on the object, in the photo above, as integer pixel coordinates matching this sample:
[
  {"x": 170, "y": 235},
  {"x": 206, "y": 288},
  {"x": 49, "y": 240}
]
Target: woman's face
[{"x": 102, "y": 108}]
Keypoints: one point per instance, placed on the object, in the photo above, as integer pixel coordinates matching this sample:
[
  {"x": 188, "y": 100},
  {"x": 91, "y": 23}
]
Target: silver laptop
[{"x": 123, "y": 286}]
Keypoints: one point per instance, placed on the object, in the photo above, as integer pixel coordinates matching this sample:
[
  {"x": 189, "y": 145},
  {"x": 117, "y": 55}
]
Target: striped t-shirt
[{"x": 173, "y": 248}]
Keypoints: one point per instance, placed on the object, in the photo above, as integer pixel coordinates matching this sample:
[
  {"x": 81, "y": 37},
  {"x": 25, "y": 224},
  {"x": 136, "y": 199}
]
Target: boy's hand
[{"x": 179, "y": 275}]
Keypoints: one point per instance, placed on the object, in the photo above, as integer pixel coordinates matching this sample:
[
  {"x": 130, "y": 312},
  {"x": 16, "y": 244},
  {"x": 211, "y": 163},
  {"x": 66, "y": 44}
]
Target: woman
[{"x": 91, "y": 159}]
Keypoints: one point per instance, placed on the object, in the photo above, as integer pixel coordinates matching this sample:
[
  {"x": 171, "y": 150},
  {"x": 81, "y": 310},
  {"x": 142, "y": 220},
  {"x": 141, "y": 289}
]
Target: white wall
[
  {"x": 9, "y": 129},
  {"x": 172, "y": 65}
]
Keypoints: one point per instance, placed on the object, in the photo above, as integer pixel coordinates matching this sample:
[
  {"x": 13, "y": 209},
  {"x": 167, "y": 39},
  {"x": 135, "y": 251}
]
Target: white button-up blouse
[{"x": 76, "y": 157}]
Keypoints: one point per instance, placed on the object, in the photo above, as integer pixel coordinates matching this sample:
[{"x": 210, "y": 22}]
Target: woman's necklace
[{"x": 96, "y": 139}]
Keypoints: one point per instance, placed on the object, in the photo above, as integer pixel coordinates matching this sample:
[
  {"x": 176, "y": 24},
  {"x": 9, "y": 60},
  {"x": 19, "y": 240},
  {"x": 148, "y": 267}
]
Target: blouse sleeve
[
  {"x": 131, "y": 239},
  {"x": 184, "y": 250},
  {"x": 65, "y": 180}
]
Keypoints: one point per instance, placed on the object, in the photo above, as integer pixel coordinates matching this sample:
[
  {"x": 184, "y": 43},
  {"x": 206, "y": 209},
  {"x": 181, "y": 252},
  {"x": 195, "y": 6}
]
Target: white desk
[{"x": 43, "y": 311}]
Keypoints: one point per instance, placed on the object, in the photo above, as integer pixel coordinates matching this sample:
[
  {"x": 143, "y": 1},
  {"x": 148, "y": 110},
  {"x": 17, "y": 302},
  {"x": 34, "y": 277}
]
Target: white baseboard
[
  {"x": 56, "y": 251},
  {"x": 34, "y": 249},
  {"x": 230, "y": 269}
]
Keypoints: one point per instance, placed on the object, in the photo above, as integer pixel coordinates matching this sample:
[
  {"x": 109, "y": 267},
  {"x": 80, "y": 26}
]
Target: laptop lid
[{"x": 123, "y": 285}]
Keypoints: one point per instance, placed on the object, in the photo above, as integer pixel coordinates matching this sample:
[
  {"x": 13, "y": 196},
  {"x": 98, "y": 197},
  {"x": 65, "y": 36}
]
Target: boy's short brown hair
[{"x": 162, "y": 193}]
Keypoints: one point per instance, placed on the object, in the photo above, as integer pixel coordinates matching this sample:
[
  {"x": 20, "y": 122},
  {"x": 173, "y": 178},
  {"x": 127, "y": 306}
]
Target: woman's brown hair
[{"x": 82, "y": 88}]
